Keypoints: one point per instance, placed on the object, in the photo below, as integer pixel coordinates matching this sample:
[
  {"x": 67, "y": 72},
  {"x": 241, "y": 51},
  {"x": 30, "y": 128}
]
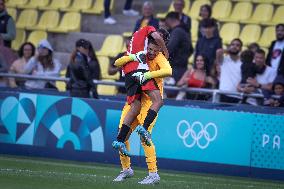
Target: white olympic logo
[{"x": 197, "y": 135}]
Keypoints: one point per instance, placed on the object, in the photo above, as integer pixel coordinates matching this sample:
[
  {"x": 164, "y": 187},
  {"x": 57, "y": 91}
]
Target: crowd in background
[{"x": 231, "y": 68}]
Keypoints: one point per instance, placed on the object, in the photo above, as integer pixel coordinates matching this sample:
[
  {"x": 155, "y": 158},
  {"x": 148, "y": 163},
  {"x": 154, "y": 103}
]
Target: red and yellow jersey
[{"x": 138, "y": 43}]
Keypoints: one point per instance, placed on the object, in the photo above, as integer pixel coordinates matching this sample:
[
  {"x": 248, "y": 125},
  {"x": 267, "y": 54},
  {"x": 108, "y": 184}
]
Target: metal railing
[{"x": 214, "y": 92}]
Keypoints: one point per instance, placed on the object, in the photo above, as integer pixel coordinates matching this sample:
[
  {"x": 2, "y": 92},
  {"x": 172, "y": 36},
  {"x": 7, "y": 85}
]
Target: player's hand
[
  {"x": 139, "y": 57},
  {"x": 140, "y": 78}
]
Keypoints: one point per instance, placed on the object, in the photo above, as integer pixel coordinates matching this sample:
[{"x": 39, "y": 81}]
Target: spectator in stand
[
  {"x": 248, "y": 69},
  {"x": 42, "y": 64},
  {"x": 26, "y": 52},
  {"x": 7, "y": 26},
  {"x": 185, "y": 20},
  {"x": 230, "y": 65},
  {"x": 208, "y": 44},
  {"x": 127, "y": 11},
  {"x": 83, "y": 69},
  {"x": 179, "y": 45},
  {"x": 196, "y": 77},
  {"x": 253, "y": 47},
  {"x": 276, "y": 99},
  {"x": 147, "y": 17},
  {"x": 275, "y": 57},
  {"x": 264, "y": 78},
  {"x": 205, "y": 13},
  {"x": 112, "y": 69}
]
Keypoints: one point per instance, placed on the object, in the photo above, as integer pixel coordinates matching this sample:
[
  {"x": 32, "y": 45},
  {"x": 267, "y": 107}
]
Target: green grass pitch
[{"x": 35, "y": 173}]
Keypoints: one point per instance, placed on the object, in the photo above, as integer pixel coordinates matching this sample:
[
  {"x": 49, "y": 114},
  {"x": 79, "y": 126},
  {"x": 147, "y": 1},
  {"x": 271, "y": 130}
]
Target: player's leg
[
  {"x": 151, "y": 160},
  {"x": 125, "y": 129},
  {"x": 157, "y": 103},
  {"x": 127, "y": 171}
]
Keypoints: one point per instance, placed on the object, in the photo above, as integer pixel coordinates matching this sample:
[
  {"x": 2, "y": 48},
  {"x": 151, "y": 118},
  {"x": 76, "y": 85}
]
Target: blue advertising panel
[
  {"x": 203, "y": 135},
  {"x": 267, "y": 142},
  {"x": 64, "y": 125}
]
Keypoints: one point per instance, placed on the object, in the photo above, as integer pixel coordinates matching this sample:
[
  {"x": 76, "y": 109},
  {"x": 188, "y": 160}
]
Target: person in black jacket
[
  {"x": 179, "y": 45},
  {"x": 148, "y": 18},
  {"x": 275, "y": 57},
  {"x": 209, "y": 43},
  {"x": 7, "y": 26},
  {"x": 82, "y": 70}
]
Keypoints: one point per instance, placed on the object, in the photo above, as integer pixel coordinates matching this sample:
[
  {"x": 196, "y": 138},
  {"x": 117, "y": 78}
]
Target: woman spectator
[
  {"x": 205, "y": 13},
  {"x": 82, "y": 70},
  {"x": 26, "y": 51},
  {"x": 196, "y": 77},
  {"x": 42, "y": 64},
  {"x": 147, "y": 17}
]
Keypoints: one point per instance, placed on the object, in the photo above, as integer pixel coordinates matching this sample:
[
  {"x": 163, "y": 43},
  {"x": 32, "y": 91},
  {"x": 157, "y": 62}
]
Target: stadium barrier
[
  {"x": 214, "y": 92},
  {"x": 194, "y": 139}
]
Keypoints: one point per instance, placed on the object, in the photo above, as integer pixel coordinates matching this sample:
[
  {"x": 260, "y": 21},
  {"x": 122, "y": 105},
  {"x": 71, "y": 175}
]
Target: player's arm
[
  {"x": 161, "y": 43},
  {"x": 123, "y": 60}
]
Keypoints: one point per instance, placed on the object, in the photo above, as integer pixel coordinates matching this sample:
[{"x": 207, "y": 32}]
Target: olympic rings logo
[{"x": 196, "y": 132}]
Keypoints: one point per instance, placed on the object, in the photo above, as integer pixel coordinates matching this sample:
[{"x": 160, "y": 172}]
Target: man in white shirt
[
  {"x": 230, "y": 65},
  {"x": 275, "y": 57},
  {"x": 265, "y": 74}
]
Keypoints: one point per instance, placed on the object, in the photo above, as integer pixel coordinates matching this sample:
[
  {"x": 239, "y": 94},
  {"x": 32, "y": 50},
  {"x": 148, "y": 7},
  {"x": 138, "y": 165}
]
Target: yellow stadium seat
[
  {"x": 262, "y": 1},
  {"x": 78, "y": 5},
  {"x": 221, "y": 9},
  {"x": 56, "y": 5},
  {"x": 250, "y": 33},
  {"x": 98, "y": 7},
  {"x": 229, "y": 31},
  {"x": 242, "y": 0},
  {"x": 33, "y": 4},
  {"x": 15, "y": 3},
  {"x": 127, "y": 34},
  {"x": 111, "y": 46},
  {"x": 277, "y": 18},
  {"x": 194, "y": 29},
  {"x": 268, "y": 35},
  {"x": 278, "y": 2},
  {"x": 19, "y": 40},
  {"x": 262, "y": 13},
  {"x": 71, "y": 21},
  {"x": 12, "y": 12},
  {"x": 36, "y": 36},
  {"x": 195, "y": 8},
  {"x": 104, "y": 64},
  {"x": 241, "y": 11},
  {"x": 48, "y": 20},
  {"x": 107, "y": 89},
  {"x": 61, "y": 85},
  {"x": 171, "y": 8},
  {"x": 27, "y": 18}
]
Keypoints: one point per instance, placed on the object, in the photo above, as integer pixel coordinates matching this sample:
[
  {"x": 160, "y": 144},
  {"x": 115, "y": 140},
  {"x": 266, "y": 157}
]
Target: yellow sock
[
  {"x": 150, "y": 155},
  {"x": 125, "y": 160}
]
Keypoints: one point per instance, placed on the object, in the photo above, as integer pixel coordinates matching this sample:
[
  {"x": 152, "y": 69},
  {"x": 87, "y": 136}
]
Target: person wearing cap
[
  {"x": 83, "y": 69},
  {"x": 42, "y": 64}
]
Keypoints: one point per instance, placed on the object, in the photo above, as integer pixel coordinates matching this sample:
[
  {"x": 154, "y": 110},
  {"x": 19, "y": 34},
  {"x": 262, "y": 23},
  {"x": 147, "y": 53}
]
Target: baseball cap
[{"x": 83, "y": 43}]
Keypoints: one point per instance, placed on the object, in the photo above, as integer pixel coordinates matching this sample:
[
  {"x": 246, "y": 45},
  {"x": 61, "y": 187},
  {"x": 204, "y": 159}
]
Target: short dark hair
[
  {"x": 239, "y": 40},
  {"x": 21, "y": 49},
  {"x": 172, "y": 15},
  {"x": 260, "y": 51},
  {"x": 83, "y": 43},
  {"x": 247, "y": 56},
  {"x": 152, "y": 40},
  {"x": 279, "y": 25},
  {"x": 208, "y": 8},
  {"x": 208, "y": 23},
  {"x": 165, "y": 33}
]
